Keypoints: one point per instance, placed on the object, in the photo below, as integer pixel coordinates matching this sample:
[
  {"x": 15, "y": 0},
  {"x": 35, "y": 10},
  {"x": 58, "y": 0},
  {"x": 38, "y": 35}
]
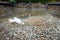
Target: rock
[{"x": 38, "y": 28}]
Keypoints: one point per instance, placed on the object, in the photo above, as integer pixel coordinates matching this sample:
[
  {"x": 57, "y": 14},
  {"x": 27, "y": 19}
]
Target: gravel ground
[{"x": 34, "y": 28}]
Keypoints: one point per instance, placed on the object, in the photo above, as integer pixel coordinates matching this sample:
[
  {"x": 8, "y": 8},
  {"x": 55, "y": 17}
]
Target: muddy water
[
  {"x": 21, "y": 12},
  {"x": 6, "y": 12},
  {"x": 55, "y": 13}
]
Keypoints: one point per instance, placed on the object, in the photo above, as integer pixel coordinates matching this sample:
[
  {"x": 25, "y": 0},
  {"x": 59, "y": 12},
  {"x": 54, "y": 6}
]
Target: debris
[
  {"x": 11, "y": 20},
  {"x": 15, "y": 19}
]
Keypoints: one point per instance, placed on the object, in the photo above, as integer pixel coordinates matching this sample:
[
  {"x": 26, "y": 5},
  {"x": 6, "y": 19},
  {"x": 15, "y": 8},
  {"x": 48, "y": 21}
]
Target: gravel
[{"x": 35, "y": 28}]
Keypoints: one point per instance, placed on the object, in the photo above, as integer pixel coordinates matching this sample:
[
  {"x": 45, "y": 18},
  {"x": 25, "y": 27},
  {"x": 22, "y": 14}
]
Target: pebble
[
  {"x": 7, "y": 38},
  {"x": 32, "y": 32}
]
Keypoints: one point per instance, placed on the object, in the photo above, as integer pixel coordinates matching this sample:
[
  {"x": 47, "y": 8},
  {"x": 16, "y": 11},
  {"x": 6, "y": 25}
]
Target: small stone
[
  {"x": 7, "y": 38},
  {"x": 15, "y": 34},
  {"x": 42, "y": 38}
]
